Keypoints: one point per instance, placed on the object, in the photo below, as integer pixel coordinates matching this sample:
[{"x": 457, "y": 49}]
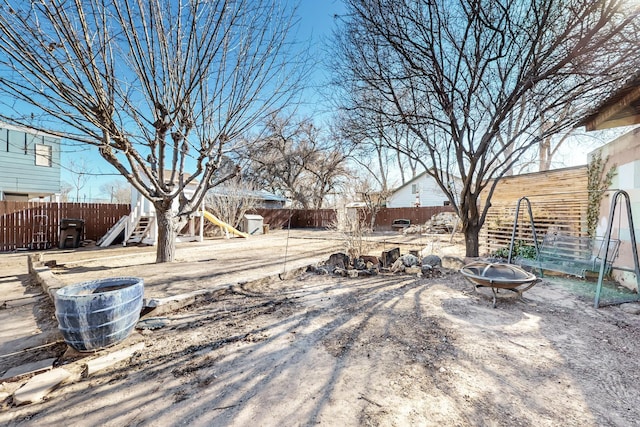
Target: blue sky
[{"x": 315, "y": 26}]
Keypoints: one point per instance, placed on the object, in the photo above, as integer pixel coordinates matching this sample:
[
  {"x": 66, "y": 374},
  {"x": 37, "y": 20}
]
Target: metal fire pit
[{"x": 499, "y": 276}]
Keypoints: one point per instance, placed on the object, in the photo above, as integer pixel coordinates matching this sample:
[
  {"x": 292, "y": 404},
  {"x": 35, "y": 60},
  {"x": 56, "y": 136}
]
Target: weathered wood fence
[
  {"x": 326, "y": 218},
  {"x": 36, "y": 225}
]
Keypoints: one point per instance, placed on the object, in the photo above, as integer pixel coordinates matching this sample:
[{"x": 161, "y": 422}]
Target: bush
[{"x": 520, "y": 250}]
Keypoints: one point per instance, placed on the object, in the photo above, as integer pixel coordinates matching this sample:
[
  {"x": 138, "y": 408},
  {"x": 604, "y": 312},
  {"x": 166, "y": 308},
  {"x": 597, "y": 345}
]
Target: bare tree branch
[
  {"x": 162, "y": 88},
  {"x": 480, "y": 83},
  {"x": 296, "y": 159}
]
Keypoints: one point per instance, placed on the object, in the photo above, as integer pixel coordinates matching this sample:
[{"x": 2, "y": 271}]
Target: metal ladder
[{"x": 39, "y": 232}]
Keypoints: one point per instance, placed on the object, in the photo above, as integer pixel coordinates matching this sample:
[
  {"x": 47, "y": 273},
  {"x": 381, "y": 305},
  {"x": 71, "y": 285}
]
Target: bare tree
[
  {"x": 550, "y": 153},
  {"x": 373, "y": 198},
  {"x": 375, "y": 147},
  {"x": 65, "y": 189},
  {"x": 481, "y": 82},
  {"x": 161, "y": 88},
  {"x": 118, "y": 191},
  {"x": 296, "y": 159},
  {"x": 81, "y": 174},
  {"x": 232, "y": 200}
]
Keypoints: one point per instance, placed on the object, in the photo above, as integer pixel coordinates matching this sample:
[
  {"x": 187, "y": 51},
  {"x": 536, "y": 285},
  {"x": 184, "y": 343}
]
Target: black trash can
[{"x": 70, "y": 233}]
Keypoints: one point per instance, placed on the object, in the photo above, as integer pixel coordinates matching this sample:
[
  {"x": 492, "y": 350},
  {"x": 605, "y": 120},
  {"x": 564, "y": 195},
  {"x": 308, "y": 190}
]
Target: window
[
  {"x": 15, "y": 140},
  {"x": 414, "y": 189},
  {"x": 43, "y": 155}
]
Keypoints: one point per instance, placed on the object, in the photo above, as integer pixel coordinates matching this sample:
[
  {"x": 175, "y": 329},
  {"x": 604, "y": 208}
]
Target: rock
[
  {"x": 413, "y": 270},
  {"x": 430, "y": 272},
  {"x": 452, "y": 262},
  {"x": 111, "y": 359},
  {"x": 371, "y": 259},
  {"x": 631, "y": 308},
  {"x": 340, "y": 272},
  {"x": 39, "y": 386},
  {"x": 29, "y": 368},
  {"x": 317, "y": 270},
  {"x": 432, "y": 261},
  {"x": 389, "y": 257},
  {"x": 398, "y": 266},
  {"x": 338, "y": 260},
  {"x": 153, "y": 323},
  {"x": 409, "y": 260},
  {"x": 444, "y": 222},
  {"x": 359, "y": 264},
  {"x": 413, "y": 229}
]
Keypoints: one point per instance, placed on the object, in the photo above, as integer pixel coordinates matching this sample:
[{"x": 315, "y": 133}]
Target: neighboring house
[
  {"x": 621, "y": 108},
  {"x": 270, "y": 200},
  {"x": 420, "y": 191},
  {"x": 29, "y": 164}
]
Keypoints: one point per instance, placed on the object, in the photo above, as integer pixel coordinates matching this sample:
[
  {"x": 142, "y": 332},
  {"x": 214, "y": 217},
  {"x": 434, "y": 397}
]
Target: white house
[{"x": 420, "y": 191}]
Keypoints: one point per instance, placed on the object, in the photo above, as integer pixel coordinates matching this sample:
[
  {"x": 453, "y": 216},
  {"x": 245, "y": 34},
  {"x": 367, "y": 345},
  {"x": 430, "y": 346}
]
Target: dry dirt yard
[{"x": 388, "y": 350}]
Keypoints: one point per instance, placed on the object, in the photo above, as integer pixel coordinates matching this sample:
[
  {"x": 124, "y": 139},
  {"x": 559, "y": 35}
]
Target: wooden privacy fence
[
  {"x": 36, "y": 225},
  {"x": 300, "y": 218},
  {"x": 385, "y": 217},
  {"x": 326, "y": 218}
]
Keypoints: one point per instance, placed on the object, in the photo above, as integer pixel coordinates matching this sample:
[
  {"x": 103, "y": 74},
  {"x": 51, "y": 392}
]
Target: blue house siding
[{"x": 29, "y": 163}]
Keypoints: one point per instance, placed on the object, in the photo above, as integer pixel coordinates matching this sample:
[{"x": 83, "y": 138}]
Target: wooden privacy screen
[{"x": 559, "y": 201}]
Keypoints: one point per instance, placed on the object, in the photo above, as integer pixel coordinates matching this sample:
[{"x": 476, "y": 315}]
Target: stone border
[
  {"x": 43, "y": 275},
  {"x": 50, "y": 284}
]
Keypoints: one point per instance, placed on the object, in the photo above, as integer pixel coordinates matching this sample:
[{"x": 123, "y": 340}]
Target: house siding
[
  {"x": 429, "y": 194},
  {"x": 19, "y": 173},
  {"x": 624, "y": 154}
]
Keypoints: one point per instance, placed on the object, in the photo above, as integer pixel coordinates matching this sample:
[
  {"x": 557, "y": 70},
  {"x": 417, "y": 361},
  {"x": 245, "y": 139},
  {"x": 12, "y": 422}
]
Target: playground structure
[
  {"x": 223, "y": 225},
  {"x": 141, "y": 227}
]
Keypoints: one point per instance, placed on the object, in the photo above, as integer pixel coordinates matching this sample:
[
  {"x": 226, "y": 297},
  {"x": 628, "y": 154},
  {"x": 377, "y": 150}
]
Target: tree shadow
[{"x": 257, "y": 347}]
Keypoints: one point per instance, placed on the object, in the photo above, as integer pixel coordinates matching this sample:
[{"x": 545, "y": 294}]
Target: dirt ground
[{"x": 387, "y": 350}]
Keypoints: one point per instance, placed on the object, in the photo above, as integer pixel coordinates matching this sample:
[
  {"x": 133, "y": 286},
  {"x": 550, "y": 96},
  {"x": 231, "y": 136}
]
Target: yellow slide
[{"x": 223, "y": 225}]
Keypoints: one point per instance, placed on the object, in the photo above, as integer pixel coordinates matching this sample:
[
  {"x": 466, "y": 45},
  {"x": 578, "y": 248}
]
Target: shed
[{"x": 252, "y": 224}]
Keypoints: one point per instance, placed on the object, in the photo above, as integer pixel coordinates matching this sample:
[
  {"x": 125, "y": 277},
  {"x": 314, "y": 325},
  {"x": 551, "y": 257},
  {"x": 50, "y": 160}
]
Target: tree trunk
[
  {"x": 472, "y": 241},
  {"x": 545, "y": 154},
  {"x": 166, "y": 249}
]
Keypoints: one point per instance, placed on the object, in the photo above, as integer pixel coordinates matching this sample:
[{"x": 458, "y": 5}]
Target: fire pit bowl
[
  {"x": 499, "y": 276},
  {"x": 97, "y": 314}
]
